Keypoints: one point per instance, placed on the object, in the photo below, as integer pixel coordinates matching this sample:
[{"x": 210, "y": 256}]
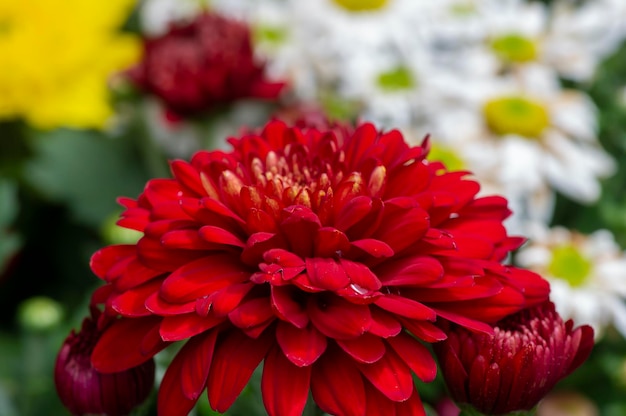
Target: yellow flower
[{"x": 56, "y": 57}]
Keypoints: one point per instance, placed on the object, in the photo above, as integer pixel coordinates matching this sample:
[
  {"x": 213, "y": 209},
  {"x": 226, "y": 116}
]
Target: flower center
[
  {"x": 448, "y": 156},
  {"x": 568, "y": 263},
  {"x": 271, "y": 35},
  {"x": 516, "y": 115},
  {"x": 397, "y": 79},
  {"x": 515, "y": 48},
  {"x": 463, "y": 8},
  {"x": 361, "y": 5}
]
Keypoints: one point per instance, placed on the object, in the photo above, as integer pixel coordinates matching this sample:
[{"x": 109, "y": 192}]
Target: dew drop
[{"x": 358, "y": 289}]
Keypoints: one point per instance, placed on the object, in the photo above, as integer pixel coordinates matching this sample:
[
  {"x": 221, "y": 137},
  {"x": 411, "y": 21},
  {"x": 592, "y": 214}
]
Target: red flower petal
[
  {"x": 301, "y": 346},
  {"x": 424, "y": 330},
  {"x": 299, "y": 227},
  {"x": 105, "y": 258},
  {"x": 390, "y": 375},
  {"x": 411, "y": 407},
  {"x": 219, "y": 235},
  {"x": 465, "y": 321},
  {"x": 172, "y": 400},
  {"x": 258, "y": 244},
  {"x": 283, "y": 258},
  {"x": 402, "y": 227},
  {"x": 186, "y": 240},
  {"x": 481, "y": 287},
  {"x": 359, "y": 144},
  {"x": 373, "y": 247},
  {"x": 354, "y": 211},
  {"x": 195, "y": 369},
  {"x": 410, "y": 271},
  {"x": 202, "y": 276},
  {"x": 287, "y": 308},
  {"x": 216, "y": 207},
  {"x": 331, "y": 391},
  {"x": 362, "y": 278},
  {"x": 252, "y": 313},
  {"x": 158, "y": 257},
  {"x": 188, "y": 177},
  {"x": 329, "y": 241},
  {"x": 158, "y": 306},
  {"x": 134, "y": 274},
  {"x": 280, "y": 398},
  {"x": 583, "y": 347},
  {"x": 415, "y": 355},
  {"x": 326, "y": 274},
  {"x": 378, "y": 403},
  {"x": 227, "y": 299},
  {"x": 179, "y": 327},
  {"x": 397, "y": 183},
  {"x": 260, "y": 221},
  {"x": 405, "y": 307},
  {"x": 234, "y": 360},
  {"x": 109, "y": 356},
  {"x": 132, "y": 302},
  {"x": 157, "y": 228},
  {"x": 337, "y": 318},
  {"x": 491, "y": 309},
  {"x": 384, "y": 324},
  {"x": 367, "y": 348}
]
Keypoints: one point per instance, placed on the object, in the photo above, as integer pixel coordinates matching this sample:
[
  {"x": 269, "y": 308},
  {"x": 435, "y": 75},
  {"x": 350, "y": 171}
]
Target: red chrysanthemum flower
[
  {"x": 84, "y": 390},
  {"x": 516, "y": 366},
  {"x": 200, "y": 64},
  {"x": 327, "y": 254}
]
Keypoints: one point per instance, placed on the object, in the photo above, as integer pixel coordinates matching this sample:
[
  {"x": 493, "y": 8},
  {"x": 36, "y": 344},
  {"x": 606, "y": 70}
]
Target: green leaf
[
  {"x": 85, "y": 170},
  {"x": 10, "y": 242}
]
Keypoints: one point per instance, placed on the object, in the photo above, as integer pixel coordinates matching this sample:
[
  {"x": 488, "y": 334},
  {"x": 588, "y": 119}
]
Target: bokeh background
[{"x": 96, "y": 97}]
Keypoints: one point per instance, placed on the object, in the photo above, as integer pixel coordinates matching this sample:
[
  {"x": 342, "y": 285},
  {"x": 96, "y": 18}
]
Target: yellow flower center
[
  {"x": 361, "y": 5},
  {"x": 272, "y": 35},
  {"x": 463, "y": 9},
  {"x": 447, "y": 155},
  {"x": 515, "y": 48},
  {"x": 516, "y": 115},
  {"x": 568, "y": 263},
  {"x": 399, "y": 78}
]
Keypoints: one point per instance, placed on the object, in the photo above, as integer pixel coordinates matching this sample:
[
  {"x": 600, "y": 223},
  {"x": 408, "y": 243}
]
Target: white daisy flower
[
  {"x": 371, "y": 53},
  {"x": 528, "y": 132},
  {"x": 582, "y": 34},
  {"x": 491, "y": 37},
  {"x": 586, "y": 274}
]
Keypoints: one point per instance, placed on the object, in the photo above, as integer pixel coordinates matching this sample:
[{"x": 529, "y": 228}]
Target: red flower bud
[
  {"x": 201, "y": 64},
  {"x": 84, "y": 390},
  {"x": 516, "y": 366}
]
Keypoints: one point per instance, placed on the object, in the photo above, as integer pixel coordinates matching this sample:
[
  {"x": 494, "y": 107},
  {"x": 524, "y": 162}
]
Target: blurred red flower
[
  {"x": 328, "y": 254},
  {"x": 84, "y": 390},
  {"x": 202, "y": 64},
  {"x": 516, "y": 366}
]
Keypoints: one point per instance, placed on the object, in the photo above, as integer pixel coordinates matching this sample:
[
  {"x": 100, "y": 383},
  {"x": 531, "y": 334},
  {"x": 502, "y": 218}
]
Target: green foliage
[{"x": 85, "y": 171}]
